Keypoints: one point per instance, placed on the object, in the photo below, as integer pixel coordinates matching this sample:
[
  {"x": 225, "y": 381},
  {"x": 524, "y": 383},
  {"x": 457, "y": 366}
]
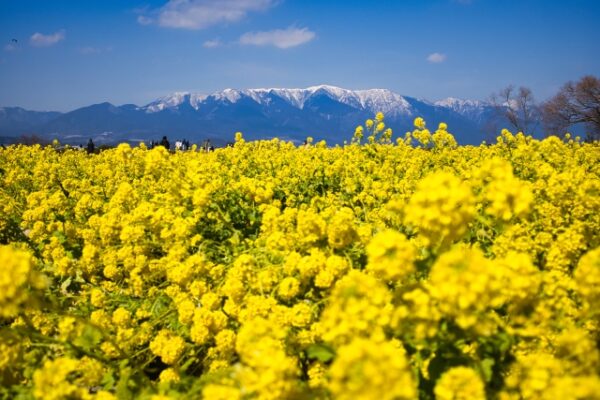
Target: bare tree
[
  {"x": 575, "y": 103},
  {"x": 518, "y": 107}
]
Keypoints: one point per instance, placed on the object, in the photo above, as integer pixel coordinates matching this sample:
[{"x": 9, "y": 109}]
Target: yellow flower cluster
[
  {"x": 167, "y": 346},
  {"x": 414, "y": 268},
  {"x": 460, "y": 383},
  {"x": 367, "y": 369},
  {"x": 68, "y": 378},
  {"x": 391, "y": 255},
  {"x": 506, "y": 195},
  {"x": 441, "y": 208},
  {"x": 17, "y": 279}
]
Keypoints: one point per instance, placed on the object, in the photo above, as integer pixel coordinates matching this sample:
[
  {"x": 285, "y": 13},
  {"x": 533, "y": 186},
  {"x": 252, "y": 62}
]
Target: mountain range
[{"x": 323, "y": 112}]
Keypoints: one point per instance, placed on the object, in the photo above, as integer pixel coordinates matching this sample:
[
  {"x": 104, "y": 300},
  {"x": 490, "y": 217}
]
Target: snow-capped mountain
[
  {"x": 472, "y": 109},
  {"x": 174, "y": 100},
  {"x": 460, "y": 105},
  {"x": 323, "y": 111},
  {"x": 372, "y": 100}
]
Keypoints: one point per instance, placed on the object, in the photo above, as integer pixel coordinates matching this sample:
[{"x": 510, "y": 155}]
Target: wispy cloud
[
  {"x": 280, "y": 38},
  {"x": 201, "y": 14},
  {"x": 41, "y": 40},
  {"x": 436, "y": 58},
  {"x": 211, "y": 44}
]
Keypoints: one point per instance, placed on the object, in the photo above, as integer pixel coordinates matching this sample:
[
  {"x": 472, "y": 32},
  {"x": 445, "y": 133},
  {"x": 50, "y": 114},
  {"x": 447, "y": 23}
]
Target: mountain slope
[{"x": 16, "y": 121}]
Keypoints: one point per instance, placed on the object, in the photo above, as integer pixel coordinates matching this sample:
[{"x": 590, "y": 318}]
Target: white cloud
[
  {"x": 211, "y": 44},
  {"x": 41, "y": 40},
  {"x": 11, "y": 47},
  {"x": 436, "y": 58},
  {"x": 200, "y": 14},
  {"x": 281, "y": 38}
]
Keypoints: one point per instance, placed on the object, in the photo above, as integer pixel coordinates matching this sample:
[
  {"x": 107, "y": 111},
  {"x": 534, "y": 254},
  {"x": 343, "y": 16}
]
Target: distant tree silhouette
[
  {"x": 31, "y": 139},
  {"x": 90, "y": 147},
  {"x": 575, "y": 103},
  {"x": 518, "y": 107},
  {"x": 165, "y": 143}
]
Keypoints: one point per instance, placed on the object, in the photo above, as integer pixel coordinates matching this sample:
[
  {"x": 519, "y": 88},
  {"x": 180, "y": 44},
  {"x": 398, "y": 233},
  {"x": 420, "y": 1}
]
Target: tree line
[{"x": 575, "y": 103}]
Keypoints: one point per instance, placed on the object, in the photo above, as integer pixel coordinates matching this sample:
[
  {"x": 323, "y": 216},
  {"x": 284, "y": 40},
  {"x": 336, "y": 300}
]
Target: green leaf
[
  {"x": 320, "y": 352},
  {"x": 108, "y": 381},
  {"x": 62, "y": 238},
  {"x": 487, "y": 368},
  {"x": 65, "y": 285},
  {"x": 123, "y": 391},
  {"x": 89, "y": 339}
]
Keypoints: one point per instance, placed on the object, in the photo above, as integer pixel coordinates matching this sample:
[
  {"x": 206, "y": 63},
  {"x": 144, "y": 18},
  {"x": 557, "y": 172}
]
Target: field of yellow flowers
[{"x": 381, "y": 269}]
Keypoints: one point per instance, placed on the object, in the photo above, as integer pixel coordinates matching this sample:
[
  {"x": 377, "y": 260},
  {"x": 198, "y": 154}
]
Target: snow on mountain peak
[
  {"x": 384, "y": 100},
  {"x": 455, "y": 103},
  {"x": 174, "y": 100},
  {"x": 472, "y": 109},
  {"x": 231, "y": 95},
  {"x": 333, "y": 90},
  {"x": 296, "y": 97},
  {"x": 371, "y": 100}
]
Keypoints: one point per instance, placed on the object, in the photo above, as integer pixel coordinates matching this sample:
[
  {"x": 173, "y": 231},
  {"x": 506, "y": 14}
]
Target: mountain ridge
[
  {"x": 322, "y": 111},
  {"x": 374, "y": 100}
]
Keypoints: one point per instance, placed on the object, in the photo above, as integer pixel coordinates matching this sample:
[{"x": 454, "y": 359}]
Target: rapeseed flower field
[{"x": 382, "y": 269}]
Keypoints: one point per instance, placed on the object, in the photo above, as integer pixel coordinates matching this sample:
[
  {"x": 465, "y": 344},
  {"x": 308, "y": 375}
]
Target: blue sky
[{"x": 70, "y": 54}]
